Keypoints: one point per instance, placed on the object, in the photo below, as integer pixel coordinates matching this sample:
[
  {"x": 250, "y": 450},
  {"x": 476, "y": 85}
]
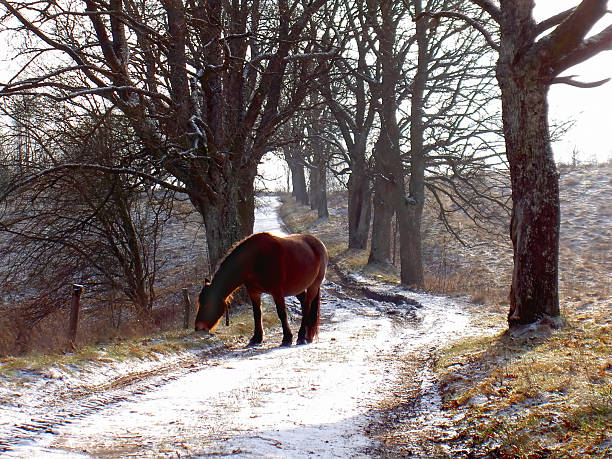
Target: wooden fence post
[
  {"x": 186, "y": 310},
  {"x": 75, "y": 305}
]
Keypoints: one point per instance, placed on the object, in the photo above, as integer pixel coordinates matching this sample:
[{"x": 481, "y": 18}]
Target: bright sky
[{"x": 589, "y": 107}]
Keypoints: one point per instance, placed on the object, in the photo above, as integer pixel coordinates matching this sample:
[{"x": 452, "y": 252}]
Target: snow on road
[{"x": 303, "y": 401}]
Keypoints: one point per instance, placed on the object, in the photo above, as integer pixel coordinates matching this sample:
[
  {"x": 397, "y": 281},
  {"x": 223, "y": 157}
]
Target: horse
[{"x": 265, "y": 263}]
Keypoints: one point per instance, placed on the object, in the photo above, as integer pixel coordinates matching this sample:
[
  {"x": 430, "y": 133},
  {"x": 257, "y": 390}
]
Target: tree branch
[
  {"x": 552, "y": 21},
  {"x": 585, "y": 50},
  {"x": 76, "y": 166},
  {"x": 569, "y": 35},
  {"x": 490, "y": 8},
  {"x": 579, "y": 84},
  {"x": 53, "y": 43},
  {"x": 456, "y": 15}
]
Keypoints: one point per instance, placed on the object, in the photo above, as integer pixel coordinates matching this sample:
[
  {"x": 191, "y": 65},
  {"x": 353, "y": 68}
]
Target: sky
[{"x": 590, "y": 108}]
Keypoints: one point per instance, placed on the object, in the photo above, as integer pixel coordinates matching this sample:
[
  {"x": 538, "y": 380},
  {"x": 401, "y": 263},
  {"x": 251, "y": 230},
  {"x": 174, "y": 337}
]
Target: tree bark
[
  {"x": 222, "y": 221},
  {"x": 320, "y": 172},
  {"x": 298, "y": 176},
  {"x": 298, "y": 179},
  {"x": 389, "y": 180},
  {"x": 524, "y": 75},
  {"x": 409, "y": 210},
  {"x": 535, "y": 223},
  {"x": 380, "y": 250},
  {"x": 359, "y": 208}
]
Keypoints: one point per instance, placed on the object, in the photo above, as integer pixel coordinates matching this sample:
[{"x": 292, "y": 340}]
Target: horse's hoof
[
  {"x": 286, "y": 343},
  {"x": 301, "y": 341},
  {"x": 254, "y": 343}
]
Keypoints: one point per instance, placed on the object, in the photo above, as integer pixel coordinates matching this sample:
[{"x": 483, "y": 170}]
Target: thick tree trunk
[
  {"x": 380, "y": 250},
  {"x": 524, "y": 72},
  {"x": 535, "y": 223},
  {"x": 359, "y": 208},
  {"x": 224, "y": 226},
  {"x": 298, "y": 179},
  {"x": 318, "y": 189},
  {"x": 389, "y": 181},
  {"x": 410, "y": 210}
]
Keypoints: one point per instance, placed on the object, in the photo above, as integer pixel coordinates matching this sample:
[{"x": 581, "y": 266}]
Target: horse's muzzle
[{"x": 201, "y": 326}]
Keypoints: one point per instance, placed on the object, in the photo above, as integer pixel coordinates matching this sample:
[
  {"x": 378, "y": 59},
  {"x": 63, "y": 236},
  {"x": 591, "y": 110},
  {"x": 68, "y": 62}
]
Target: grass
[
  {"x": 142, "y": 348},
  {"x": 547, "y": 391},
  {"x": 544, "y": 391}
]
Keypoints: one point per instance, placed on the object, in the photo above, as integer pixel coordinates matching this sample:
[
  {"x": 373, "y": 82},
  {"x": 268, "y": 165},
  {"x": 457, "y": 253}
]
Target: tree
[
  {"x": 452, "y": 137},
  {"x": 91, "y": 225},
  {"x": 346, "y": 91},
  {"x": 201, "y": 83},
  {"x": 384, "y": 17},
  {"x": 293, "y": 156},
  {"x": 442, "y": 91},
  {"x": 99, "y": 228},
  {"x": 530, "y": 59},
  {"x": 318, "y": 151}
]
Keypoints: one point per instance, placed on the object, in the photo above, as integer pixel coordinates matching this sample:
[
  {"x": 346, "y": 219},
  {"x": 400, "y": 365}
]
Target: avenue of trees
[{"x": 116, "y": 105}]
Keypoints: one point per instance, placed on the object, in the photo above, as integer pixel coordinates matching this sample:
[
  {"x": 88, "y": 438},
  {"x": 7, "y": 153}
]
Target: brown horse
[{"x": 264, "y": 263}]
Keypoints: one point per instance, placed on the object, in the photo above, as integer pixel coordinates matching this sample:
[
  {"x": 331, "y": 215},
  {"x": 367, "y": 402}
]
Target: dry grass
[
  {"x": 544, "y": 391},
  {"x": 139, "y": 347}
]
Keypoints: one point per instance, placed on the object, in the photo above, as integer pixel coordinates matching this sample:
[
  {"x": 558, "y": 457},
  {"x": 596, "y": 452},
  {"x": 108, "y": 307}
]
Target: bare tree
[
  {"x": 201, "y": 83},
  {"x": 346, "y": 90},
  {"x": 432, "y": 99},
  {"x": 531, "y": 58},
  {"x": 75, "y": 223}
]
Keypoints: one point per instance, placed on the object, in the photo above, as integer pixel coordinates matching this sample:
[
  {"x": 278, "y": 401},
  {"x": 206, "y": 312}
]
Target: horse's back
[
  {"x": 291, "y": 263},
  {"x": 306, "y": 246}
]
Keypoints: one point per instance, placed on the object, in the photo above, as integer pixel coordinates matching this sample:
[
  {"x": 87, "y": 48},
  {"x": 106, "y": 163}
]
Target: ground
[
  {"x": 393, "y": 372},
  {"x": 537, "y": 391},
  {"x": 330, "y": 398}
]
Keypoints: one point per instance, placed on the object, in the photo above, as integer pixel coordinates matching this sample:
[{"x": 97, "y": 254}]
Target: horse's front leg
[
  {"x": 279, "y": 300},
  {"x": 258, "y": 333}
]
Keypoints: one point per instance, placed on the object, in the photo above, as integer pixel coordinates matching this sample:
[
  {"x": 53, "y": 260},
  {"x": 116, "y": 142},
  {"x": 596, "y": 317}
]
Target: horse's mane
[
  {"x": 229, "y": 253},
  {"x": 234, "y": 250}
]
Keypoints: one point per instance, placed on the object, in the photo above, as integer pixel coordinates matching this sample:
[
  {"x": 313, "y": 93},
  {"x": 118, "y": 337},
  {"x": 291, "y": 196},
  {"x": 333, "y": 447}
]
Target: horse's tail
[{"x": 314, "y": 317}]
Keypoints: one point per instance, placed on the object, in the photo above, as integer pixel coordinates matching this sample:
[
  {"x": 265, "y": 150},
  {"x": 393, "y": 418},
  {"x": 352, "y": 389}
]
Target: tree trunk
[
  {"x": 524, "y": 72},
  {"x": 313, "y": 186},
  {"x": 389, "y": 181},
  {"x": 298, "y": 178},
  {"x": 410, "y": 210},
  {"x": 380, "y": 250},
  {"x": 359, "y": 208},
  {"x": 222, "y": 222},
  {"x": 535, "y": 223},
  {"x": 320, "y": 171}
]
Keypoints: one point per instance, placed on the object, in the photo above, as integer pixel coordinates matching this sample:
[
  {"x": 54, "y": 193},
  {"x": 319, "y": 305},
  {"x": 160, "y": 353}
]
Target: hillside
[{"x": 538, "y": 391}]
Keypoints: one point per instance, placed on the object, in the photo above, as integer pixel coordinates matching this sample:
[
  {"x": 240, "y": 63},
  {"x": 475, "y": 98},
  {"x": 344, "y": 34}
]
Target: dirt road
[{"x": 304, "y": 401}]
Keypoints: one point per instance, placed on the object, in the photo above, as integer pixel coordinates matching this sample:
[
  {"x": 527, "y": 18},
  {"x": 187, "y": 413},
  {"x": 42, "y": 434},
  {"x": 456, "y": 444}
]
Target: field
[{"x": 538, "y": 391}]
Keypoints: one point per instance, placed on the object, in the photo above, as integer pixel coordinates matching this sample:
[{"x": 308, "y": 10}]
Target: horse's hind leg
[
  {"x": 301, "y": 339},
  {"x": 258, "y": 333},
  {"x": 279, "y": 300}
]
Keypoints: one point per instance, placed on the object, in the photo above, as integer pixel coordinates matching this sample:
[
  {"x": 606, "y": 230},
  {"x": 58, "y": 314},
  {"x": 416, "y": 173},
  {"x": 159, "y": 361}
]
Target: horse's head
[{"x": 210, "y": 309}]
